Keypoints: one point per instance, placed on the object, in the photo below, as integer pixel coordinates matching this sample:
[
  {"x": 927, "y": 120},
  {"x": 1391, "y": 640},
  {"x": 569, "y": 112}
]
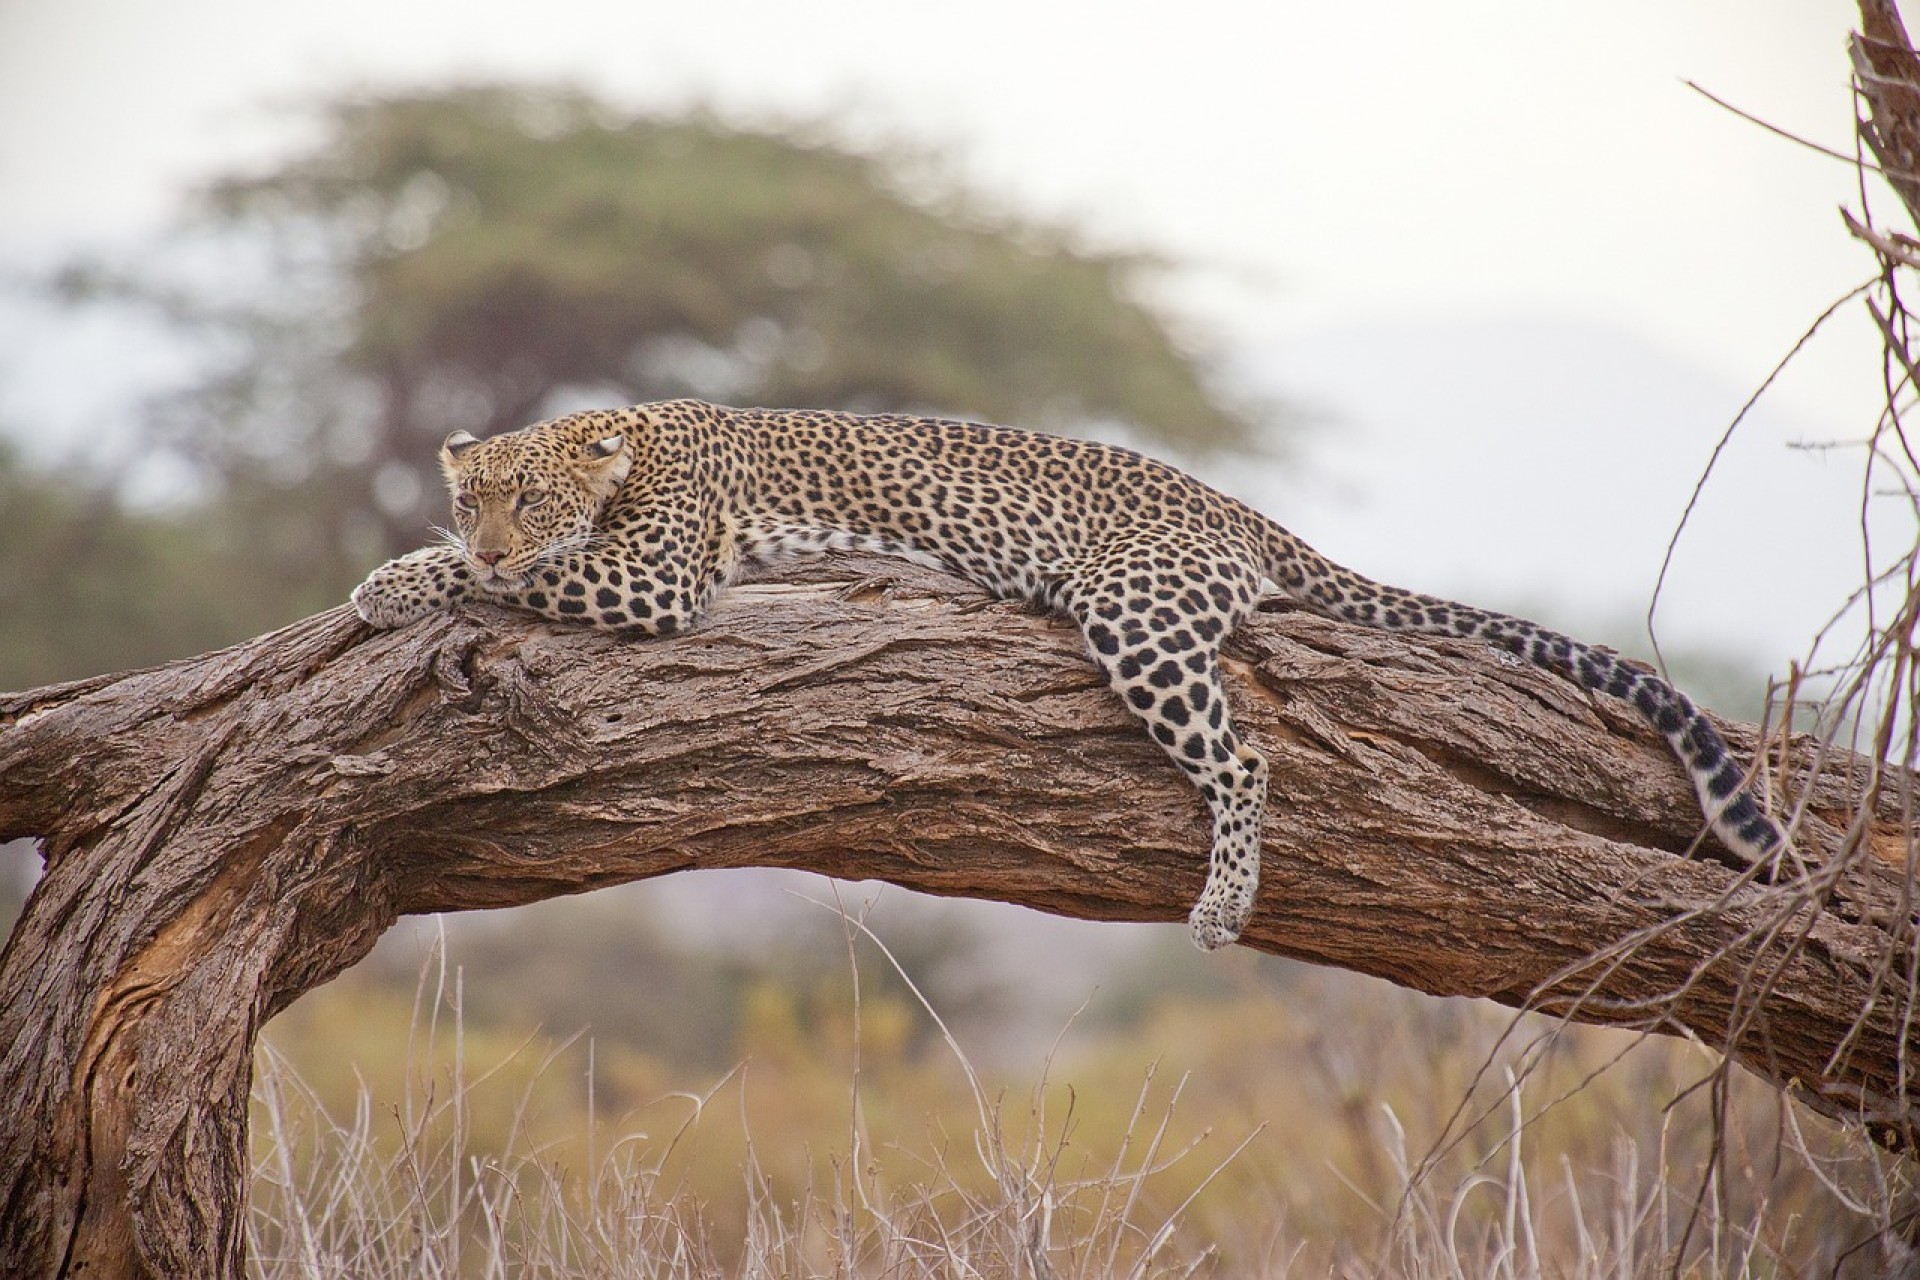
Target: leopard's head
[{"x": 532, "y": 495}]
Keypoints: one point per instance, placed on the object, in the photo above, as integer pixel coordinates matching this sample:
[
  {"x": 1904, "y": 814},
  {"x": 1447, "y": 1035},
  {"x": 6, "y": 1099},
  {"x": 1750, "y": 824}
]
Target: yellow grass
[{"x": 1336, "y": 1127}]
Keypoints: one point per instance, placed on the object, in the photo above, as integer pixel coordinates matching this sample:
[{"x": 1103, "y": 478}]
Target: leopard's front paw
[
  {"x": 1221, "y": 913},
  {"x": 380, "y": 606},
  {"x": 408, "y": 589}
]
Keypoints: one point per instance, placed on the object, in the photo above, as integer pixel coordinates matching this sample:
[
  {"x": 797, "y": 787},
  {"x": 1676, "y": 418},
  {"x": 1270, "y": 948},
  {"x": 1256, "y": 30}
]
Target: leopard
[{"x": 633, "y": 519}]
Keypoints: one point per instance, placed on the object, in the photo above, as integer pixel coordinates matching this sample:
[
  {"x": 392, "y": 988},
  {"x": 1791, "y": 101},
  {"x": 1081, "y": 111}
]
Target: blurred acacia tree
[
  {"x": 88, "y": 585},
  {"x": 479, "y": 257}
]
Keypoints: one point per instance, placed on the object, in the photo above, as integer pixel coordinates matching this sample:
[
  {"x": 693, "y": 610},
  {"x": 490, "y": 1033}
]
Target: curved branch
[{"x": 228, "y": 831}]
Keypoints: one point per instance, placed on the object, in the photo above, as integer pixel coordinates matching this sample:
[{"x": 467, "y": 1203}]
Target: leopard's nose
[{"x": 489, "y": 558}]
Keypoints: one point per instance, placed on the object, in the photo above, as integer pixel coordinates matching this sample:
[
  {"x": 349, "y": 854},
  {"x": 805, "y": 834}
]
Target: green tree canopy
[
  {"x": 87, "y": 585},
  {"x": 479, "y": 257}
]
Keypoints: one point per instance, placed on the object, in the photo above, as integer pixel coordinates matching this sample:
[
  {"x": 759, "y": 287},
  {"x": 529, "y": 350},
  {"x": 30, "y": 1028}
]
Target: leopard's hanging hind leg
[{"x": 1154, "y": 625}]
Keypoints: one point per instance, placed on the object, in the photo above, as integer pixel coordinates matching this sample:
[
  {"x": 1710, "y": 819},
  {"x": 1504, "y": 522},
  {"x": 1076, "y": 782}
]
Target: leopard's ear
[
  {"x": 458, "y": 443},
  {"x": 450, "y": 450},
  {"x": 603, "y": 466}
]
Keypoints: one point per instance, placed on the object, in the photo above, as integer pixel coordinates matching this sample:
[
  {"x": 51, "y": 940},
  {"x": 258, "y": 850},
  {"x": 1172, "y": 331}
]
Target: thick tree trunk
[{"x": 226, "y": 832}]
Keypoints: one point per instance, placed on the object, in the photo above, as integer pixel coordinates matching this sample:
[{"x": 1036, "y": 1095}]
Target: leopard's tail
[{"x": 1729, "y": 804}]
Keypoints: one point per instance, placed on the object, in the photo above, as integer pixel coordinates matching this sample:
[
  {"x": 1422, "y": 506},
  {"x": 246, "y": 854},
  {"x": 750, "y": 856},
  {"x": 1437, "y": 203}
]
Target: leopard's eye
[
  {"x": 532, "y": 497},
  {"x": 466, "y": 502}
]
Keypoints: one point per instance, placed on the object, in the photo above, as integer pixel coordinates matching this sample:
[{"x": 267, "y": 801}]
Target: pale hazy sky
[
  {"x": 1357, "y": 188},
  {"x": 1337, "y": 158}
]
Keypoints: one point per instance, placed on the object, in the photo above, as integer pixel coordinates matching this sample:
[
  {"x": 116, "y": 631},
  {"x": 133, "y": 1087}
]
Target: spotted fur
[{"x": 632, "y": 519}]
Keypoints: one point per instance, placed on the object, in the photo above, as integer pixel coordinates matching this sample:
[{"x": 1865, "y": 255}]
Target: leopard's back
[{"x": 1019, "y": 512}]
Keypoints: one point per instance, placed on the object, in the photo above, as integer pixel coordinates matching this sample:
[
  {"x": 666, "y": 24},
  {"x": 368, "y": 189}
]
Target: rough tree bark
[{"x": 226, "y": 832}]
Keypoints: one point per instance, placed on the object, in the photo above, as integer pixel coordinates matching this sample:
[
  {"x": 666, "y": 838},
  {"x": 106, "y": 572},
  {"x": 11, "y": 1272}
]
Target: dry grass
[
  {"x": 1006, "y": 1199},
  {"x": 1308, "y": 1135}
]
